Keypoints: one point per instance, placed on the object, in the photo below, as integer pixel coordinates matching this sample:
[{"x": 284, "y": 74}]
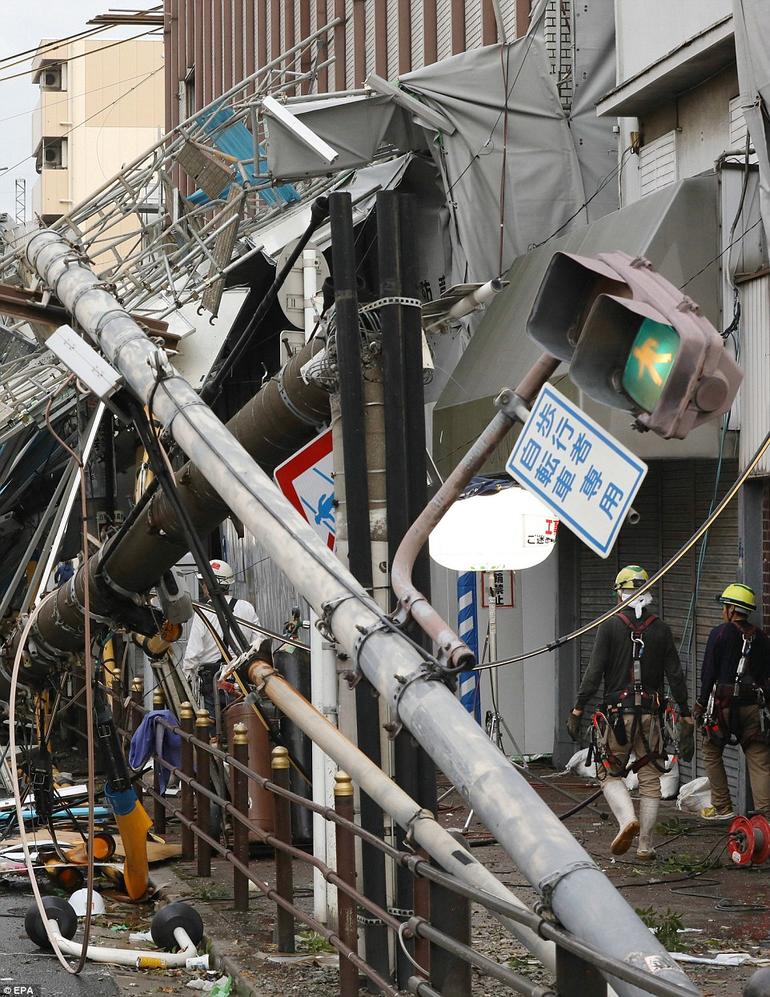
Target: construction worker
[
  {"x": 633, "y": 652},
  {"x": 203, "y": 655},
  {"x": 735, "y": 684}
]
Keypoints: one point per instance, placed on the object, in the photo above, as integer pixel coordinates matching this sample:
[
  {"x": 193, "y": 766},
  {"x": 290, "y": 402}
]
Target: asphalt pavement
[{"x": 23, "y": 964}]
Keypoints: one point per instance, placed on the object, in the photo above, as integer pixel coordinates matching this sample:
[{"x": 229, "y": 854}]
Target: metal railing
[{"x": 442, "y": 960}]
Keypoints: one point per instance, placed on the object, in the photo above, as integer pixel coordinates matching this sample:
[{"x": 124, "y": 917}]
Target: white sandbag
[
  {"x": 577, "y": 765},
  {"x": 669, "y": 780},
  {"x": 694, "y": 795}
]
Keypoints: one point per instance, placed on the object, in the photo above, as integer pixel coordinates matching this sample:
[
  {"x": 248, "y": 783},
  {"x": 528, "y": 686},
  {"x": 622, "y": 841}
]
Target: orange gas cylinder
[{"x": 261, "y": 805}]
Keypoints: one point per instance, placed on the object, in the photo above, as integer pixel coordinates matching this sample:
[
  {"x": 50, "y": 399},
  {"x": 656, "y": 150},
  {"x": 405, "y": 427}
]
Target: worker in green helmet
[
  {"x": 633, "y": 654},
  {"x": 732, "y": 705}
]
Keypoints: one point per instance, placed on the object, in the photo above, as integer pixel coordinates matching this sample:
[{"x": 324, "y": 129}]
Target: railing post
[
  {"x": 137, "y": 695},
  {"x": 450, "y": 975},
  {"x": 158, "y": 810},
  {"x": 422, "y": 909},
  {"x": 577, "y": 978},
  {"x": 240, "y": 796},
  {"x": 187, "y": 765},
  {"x": 203, "y": 776},
  {"x": 347, "y": 928},
  {"x": 284, "y": 872}
]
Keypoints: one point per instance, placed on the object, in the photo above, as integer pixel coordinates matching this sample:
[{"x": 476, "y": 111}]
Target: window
[{"x": 658, "y": 164}]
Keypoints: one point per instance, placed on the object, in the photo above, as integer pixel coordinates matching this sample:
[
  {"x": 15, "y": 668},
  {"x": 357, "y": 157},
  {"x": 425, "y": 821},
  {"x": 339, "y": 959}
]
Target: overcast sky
[{"x": 24, "y": 23}]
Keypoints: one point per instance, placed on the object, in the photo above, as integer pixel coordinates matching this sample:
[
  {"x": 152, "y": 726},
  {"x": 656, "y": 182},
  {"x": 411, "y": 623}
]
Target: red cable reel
[{"x": 748, "y": 840}]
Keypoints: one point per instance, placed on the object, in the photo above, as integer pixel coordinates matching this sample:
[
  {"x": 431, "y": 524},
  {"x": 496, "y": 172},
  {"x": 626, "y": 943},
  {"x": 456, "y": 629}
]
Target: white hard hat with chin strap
[{"x": 222, "y": 572}]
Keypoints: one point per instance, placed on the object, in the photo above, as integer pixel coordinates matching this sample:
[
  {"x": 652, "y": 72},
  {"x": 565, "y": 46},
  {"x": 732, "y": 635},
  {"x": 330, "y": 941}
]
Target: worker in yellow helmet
[
  {"x": 633, "y": 654},
  {"x": 735, "y": 686}
]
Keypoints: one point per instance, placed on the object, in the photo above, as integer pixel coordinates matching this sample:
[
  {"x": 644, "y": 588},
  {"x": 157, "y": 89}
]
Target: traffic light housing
[{"x": 634, "y": 341}]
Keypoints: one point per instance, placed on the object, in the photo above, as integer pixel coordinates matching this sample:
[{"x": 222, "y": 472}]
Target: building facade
[
  {"x": 212, "y": 44},
  {"x": 101, "y": 104}
]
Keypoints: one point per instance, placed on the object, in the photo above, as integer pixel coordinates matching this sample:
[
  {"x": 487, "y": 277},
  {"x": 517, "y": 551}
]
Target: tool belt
[
  {"x": 634, "y": 699},
  {"x": 610, "y": 719},
  {"x": 721, "y": 728}
]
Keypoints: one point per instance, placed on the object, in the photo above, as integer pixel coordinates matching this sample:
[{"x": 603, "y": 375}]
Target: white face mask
[{"x": 637, "y": 604}]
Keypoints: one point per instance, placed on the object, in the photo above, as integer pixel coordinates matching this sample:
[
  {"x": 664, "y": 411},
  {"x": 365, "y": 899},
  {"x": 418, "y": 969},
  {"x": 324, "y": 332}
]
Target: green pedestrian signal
[
  {"x": 650, "y": 361},
  {"x": 633, "y": 341}
]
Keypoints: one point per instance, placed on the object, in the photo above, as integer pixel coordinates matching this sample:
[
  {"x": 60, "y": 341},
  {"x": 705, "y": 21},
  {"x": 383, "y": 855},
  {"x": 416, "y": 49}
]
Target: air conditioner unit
[
  {"x": 53, "y": 155},
  {"x": 51, "y": 78}
]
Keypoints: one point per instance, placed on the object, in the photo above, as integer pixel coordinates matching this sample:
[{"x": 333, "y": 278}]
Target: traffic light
[{"x": 634, "y": 341}]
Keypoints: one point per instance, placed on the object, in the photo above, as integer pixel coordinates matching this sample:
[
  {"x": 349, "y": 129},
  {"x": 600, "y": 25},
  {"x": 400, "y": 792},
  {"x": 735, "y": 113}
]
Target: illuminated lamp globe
[{"x": 507, "y": 531}]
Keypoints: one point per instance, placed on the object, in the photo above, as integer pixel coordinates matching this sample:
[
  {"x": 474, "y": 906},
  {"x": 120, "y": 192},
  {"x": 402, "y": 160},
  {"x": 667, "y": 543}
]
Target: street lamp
[{"x": 506, "y": 531}]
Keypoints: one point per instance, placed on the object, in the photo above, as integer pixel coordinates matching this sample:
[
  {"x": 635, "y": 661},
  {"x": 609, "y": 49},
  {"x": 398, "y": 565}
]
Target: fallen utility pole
[{"x": 570, "y": 884}]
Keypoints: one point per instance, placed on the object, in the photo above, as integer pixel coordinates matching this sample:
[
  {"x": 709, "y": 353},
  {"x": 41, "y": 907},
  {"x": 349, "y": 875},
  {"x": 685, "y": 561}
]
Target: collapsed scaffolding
[{"x": 182, "y": 249}]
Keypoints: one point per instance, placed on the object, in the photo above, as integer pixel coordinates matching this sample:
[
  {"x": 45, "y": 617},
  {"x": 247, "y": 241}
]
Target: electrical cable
[
  {"x": 74, "y": 96},
  {"x": 83, "y": 55},
  {"x": 145, "y": 426},
  {"x": 616, "y": 171},
  {"x": 653, "y": 580},
  {"x": 5, "y": 62},
  {"x": 69, "y": 131},
  {"x": 719, "y": 256},
  {"x": 23, "y": 638},
  {"x": 262, "y": 630}
]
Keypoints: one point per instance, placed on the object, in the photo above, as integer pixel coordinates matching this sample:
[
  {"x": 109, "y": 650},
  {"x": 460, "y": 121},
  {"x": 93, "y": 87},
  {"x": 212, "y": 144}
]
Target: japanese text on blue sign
[{"x": 577, "y": 468}]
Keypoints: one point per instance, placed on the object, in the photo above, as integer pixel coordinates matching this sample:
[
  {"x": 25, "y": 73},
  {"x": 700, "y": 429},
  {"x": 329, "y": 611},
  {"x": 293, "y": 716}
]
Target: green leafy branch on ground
[{"x": 665, "y": 925}]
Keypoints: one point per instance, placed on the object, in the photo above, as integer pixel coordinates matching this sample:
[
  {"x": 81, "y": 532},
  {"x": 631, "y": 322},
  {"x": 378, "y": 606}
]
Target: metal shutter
[
  {"x": 369, "y": 18},
  {"x": 658, "y": 164},
  {"x": 350, "y": 66},
  {"x": 737, "y": 124},
  {"x": 508, "y": 9},
  {"x": 755, "y": 360},
  {"x": 444, "y": 32},
  {"x": 392, "y": 15},
  {"x": 418, "y": 44},
  {"x": 472, "y": 24},
  {"x": 720, "y": 567}
]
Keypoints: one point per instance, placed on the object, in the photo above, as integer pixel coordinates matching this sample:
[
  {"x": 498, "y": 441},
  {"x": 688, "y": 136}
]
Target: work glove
[
  {"x": 573, "y": 727},
  {"x": 697, "y": 712},
  {"x": 686, "y": 738}
]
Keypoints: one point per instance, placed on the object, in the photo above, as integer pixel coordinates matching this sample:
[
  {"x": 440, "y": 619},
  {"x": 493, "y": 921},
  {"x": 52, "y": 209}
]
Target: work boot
[
  {"x": 648, "y": 815},
  {"x": 620, "y": 803}
]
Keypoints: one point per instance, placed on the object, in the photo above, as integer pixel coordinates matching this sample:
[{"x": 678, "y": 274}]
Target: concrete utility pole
[{"x": 568, "y": 880}]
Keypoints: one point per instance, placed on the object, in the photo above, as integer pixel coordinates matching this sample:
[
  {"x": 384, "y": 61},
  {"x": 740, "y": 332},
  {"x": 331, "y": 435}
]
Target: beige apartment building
[{"x": 101, "y": 104}]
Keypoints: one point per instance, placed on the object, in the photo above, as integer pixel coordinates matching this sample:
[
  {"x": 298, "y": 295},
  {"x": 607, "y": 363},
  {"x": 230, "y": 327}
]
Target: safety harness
[
  {"x": 611, "y": 717},
  {"x": 722, "y": 729}
]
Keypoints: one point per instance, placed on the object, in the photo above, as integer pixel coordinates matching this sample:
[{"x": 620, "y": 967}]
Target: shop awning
[{"x": 675, "y": 228}]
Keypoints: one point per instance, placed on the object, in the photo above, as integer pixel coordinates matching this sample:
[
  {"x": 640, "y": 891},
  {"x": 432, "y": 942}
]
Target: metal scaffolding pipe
[
  {"x": 569, "y": 881},
  {"x": 424, "y": 829}
]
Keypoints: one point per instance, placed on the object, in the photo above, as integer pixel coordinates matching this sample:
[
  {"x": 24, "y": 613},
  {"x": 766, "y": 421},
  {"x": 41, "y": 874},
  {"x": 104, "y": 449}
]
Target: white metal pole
[{"x": 563, "y": 873}]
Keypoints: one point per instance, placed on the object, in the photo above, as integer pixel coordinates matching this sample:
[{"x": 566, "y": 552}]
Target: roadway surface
[{"x": 22, "y": 963}]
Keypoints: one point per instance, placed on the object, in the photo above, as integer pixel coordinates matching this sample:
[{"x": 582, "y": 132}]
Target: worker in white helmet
[{"x": 203, "y": 657}]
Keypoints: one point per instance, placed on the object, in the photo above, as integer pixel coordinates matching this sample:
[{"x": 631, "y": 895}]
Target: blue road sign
[{"x": 585, "y": 475}]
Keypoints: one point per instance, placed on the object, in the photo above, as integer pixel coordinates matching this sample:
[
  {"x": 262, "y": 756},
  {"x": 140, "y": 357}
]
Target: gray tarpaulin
[
  {"x": 515, "y": 165},
  {"x": 752, "y": 50},
  {"x": 594, "y": 74},
  {"x": 356, "y": 127},
  {"x": 530, "y": 189}
]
